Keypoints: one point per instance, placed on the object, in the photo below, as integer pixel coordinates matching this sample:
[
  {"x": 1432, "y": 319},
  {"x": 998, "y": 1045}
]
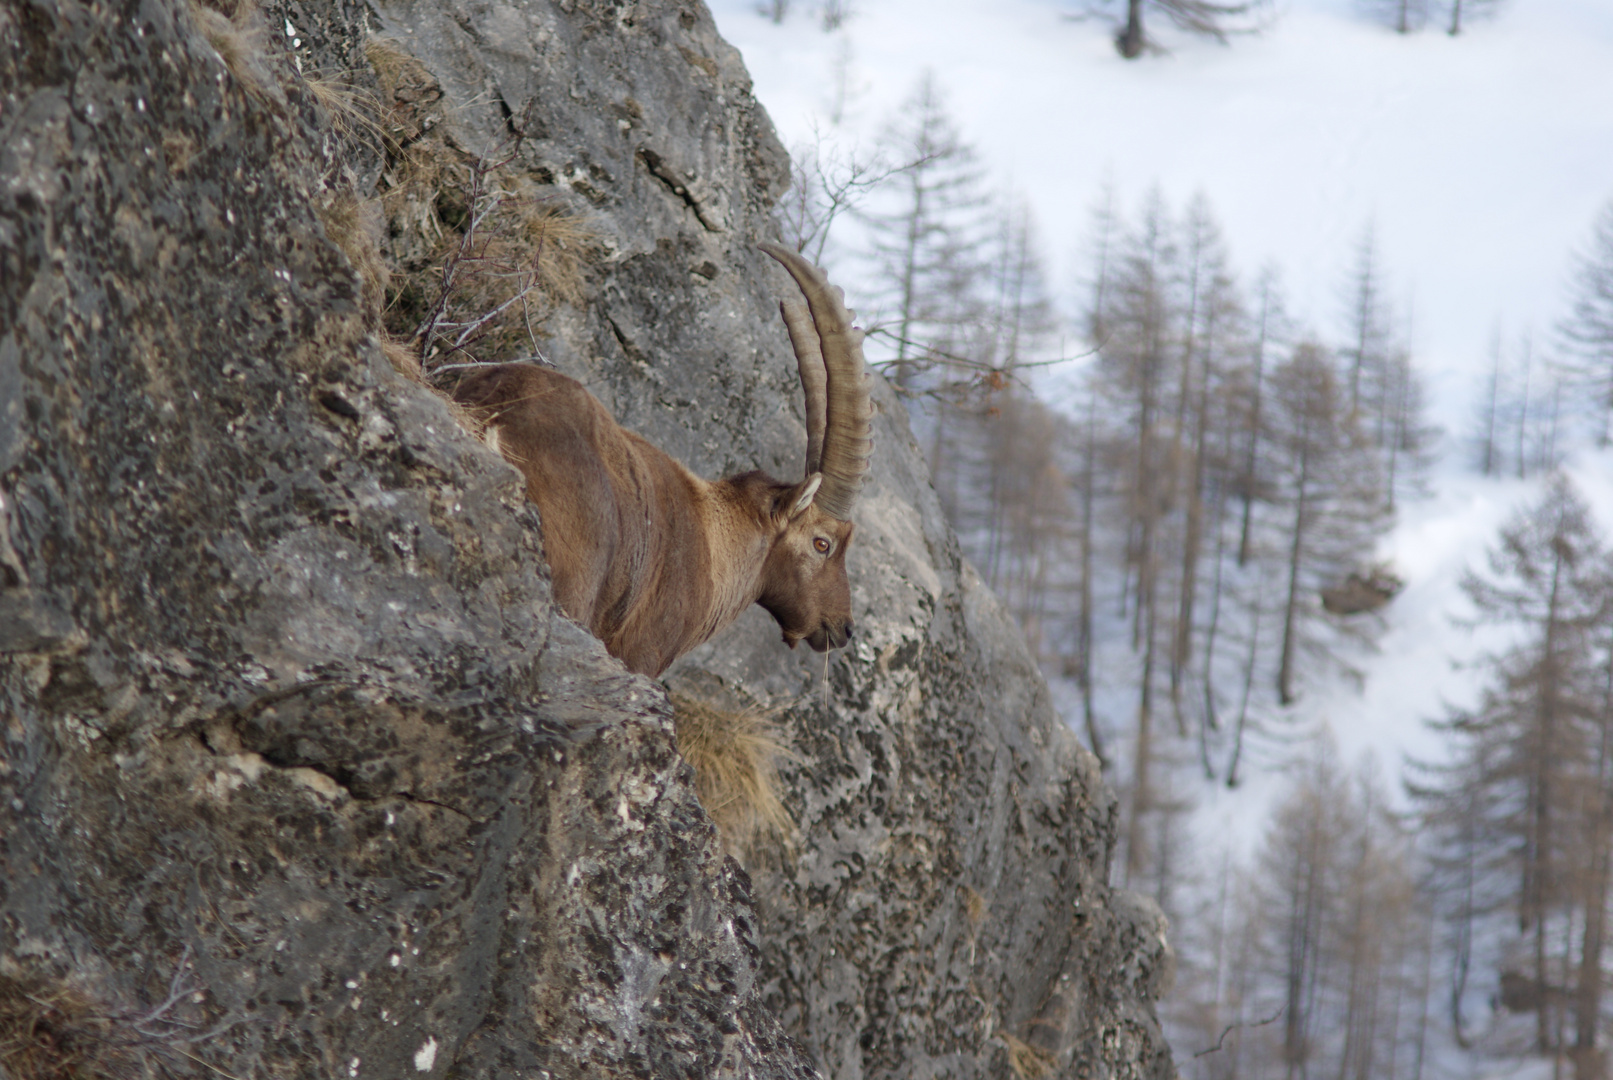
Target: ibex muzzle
[{"x": 655, "y": 560}]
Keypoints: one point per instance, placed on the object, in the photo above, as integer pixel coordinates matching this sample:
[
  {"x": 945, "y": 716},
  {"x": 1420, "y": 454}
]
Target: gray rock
[{"x": 290, "y": 722}]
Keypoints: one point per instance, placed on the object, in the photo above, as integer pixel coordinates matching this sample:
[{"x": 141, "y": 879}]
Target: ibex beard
[{"x": 654, "y": 560}]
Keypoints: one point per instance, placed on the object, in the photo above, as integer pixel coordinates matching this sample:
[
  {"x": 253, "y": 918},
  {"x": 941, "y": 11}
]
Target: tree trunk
[
  {"x": 1211, "y": 720},
  {"x": 1304, "y": 933},
  {"x": 1523, "y": 413},
  {"x": 1537, "y": 869},
  {"x": 915, "y": 225},
  {"x": 1366, "y": 308},
  {"x": 1590, "y": 1061},
  {"x": 1285, "y": 669},
  {"x": 1141, "y": 795},
  {"x": 1083, "y": 645},
  {"x": 1130, "y": 40},
  {"x": 1182, "y": 647},
  {"x": 1490, "y": 462},
  {"x": 1252, "y": 460},
  {"x": 1424, "y": 992},
  {"x": 1248, "y": 691}
]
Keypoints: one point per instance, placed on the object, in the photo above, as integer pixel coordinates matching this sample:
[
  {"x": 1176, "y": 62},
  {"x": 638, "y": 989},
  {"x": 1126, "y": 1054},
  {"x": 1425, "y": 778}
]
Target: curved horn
[
  {"x": 849, "y": 412},
  {"x": 814, "y": 379}
]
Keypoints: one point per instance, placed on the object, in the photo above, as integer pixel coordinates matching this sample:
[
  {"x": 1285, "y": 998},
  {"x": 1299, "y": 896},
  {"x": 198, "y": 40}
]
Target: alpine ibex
[{"x": 653, "y": 559}]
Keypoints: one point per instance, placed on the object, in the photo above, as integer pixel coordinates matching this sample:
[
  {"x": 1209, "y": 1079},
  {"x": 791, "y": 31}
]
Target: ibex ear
[{"x": 808, "y": 490}]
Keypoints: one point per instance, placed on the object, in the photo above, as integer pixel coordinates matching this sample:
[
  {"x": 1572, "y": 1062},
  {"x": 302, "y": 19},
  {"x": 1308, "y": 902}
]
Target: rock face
[{"x": 303, "y": 775}]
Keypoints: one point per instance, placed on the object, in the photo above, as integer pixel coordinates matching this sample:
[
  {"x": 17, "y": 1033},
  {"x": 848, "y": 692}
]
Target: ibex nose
[{"x": 848, "y": 630}]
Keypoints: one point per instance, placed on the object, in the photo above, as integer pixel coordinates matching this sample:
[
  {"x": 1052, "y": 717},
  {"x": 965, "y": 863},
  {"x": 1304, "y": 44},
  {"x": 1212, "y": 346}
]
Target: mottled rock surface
[{"x": 286, "y": 709}]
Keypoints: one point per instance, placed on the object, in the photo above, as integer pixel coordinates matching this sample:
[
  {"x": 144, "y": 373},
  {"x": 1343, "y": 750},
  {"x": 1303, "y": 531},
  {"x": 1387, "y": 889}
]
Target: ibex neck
[{"x": 740, "y": 538}]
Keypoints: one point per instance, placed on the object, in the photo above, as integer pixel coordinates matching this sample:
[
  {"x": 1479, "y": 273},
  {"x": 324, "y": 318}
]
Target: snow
[{"x": 1481, "y": 160}]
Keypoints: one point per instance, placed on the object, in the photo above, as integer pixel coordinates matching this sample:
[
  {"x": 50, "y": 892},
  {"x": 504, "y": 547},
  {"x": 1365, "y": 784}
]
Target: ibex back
[{"x": 653, "y": 559}]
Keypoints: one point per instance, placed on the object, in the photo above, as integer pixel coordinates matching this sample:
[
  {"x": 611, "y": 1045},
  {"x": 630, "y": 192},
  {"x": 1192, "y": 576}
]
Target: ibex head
[{"x": 804, "y": 582}]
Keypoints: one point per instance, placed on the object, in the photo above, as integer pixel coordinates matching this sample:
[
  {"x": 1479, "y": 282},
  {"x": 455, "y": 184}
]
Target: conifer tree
[
  {"x": 1522, "y": 812},
  {"x": 928, "y": 232},
  {"x": 1215, "y": 346},
  {"x": 1403, "y": 16},
  {"x": 1462, "y": 11},
  {"x": 1218, "y": 19},
  {"x": 1270, "y": 332},
  {"x": 1587, "y": 332},
  {"x": 1138, "y": 358},
  {"x": 1365, "y": 352},
  {"x": 1487, "y": 427},
  {"x": 1327, "y": 481}
]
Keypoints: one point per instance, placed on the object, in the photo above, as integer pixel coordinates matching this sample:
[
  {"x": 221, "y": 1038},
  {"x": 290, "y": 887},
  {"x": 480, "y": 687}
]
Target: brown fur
[{"x": 650, "y": 557}]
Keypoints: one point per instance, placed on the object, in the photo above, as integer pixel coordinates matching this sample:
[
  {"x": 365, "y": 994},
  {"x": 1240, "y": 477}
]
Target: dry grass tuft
[
  {"x": 179, "y": 149},
  {"x": 235, "y": 30},
  {"x": 417, "y": 186},
  {"x": 481, "y": 254},
  {"x": 50, "y": 1029},
  {"x": 404, "y": 360},
  {"x": 357, "y": 227},
  {"x": 975, "y": 905},
  {"x": 530, "y": 255},
  {"x": 420, "y": 164},
  {"x": 52, "y": 1033},
  {"x": 1028, "y": 1062},
  {"x": 460, "y": 258},
  {"x": 352, "y": 110},
  {"x": 404, "y": 80},
  {"x": 559, "y": 243},
  {"x": 735, "y": 755}
]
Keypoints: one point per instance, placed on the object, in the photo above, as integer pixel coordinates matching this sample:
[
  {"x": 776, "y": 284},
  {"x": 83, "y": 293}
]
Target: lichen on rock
[{"x": 289, "y": 720}]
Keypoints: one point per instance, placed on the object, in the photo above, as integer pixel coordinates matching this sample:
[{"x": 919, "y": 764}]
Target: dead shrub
[
  {"x": 506, "y": 257},
  {"x": 735, "y": 755},
  {"x": 480, "y": 255},
  {"x": 54, "y": 1029},
  {"x": 53, "y": 1033},
  {"x": 510, "y": 259}
]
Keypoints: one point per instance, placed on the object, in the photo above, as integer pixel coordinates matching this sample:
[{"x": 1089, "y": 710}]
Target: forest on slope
[{"x": 1185, "y": 492}]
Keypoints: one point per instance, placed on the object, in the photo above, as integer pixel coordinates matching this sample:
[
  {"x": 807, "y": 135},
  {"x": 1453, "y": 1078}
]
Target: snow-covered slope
[{"x": 1481, "y": 159}]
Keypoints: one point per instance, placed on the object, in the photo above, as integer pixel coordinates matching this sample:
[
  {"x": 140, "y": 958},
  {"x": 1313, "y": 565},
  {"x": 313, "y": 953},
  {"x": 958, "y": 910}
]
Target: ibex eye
[{"x": 821, "y": 544}]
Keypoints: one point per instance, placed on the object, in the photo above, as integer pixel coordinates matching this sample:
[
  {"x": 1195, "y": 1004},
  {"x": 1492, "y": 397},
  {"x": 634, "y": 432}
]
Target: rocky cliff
[{"x": 302, "y": 774}]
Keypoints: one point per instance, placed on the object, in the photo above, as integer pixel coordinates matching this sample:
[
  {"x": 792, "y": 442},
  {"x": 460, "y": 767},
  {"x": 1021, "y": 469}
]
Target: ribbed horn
[
  {"x": 814, "y": 379},
  {"x": 848, "y": 411}
]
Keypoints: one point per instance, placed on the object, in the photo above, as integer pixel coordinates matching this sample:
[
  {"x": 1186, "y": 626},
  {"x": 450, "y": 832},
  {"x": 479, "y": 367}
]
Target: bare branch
[{"x": 1230, "y": 1028}]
